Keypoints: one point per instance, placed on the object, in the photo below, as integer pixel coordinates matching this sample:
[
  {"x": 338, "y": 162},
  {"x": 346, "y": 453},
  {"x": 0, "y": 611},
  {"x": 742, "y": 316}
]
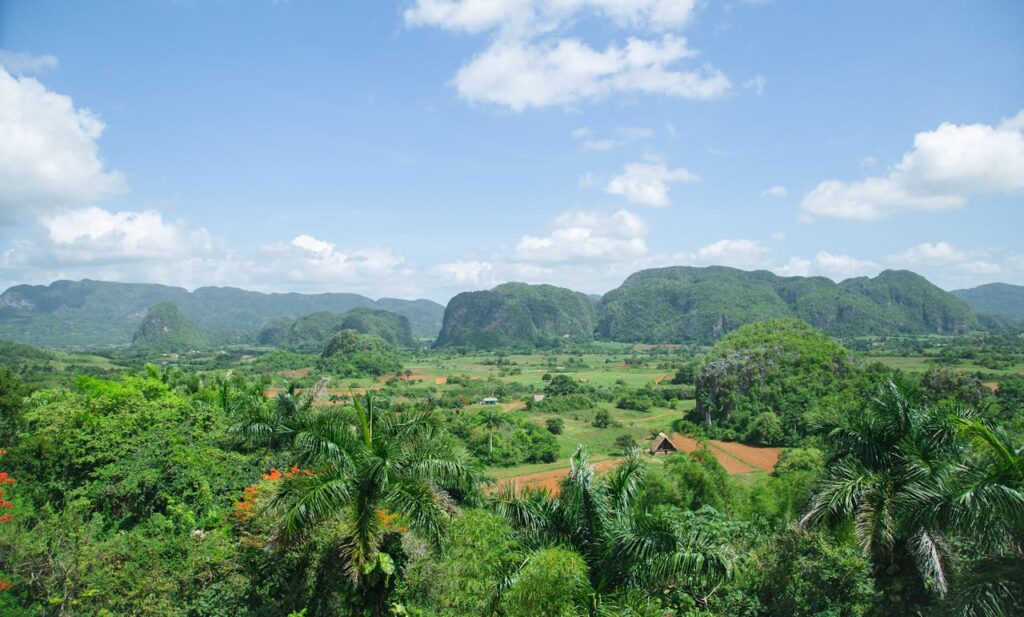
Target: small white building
[
  {"x": 490, "y": 400},
  {"x": 538, "y": 398}
]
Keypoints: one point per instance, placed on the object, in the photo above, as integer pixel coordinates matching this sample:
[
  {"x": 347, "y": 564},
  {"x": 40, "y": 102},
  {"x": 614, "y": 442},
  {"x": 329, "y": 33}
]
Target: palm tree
[
  {"x": 491, "y": 420},
  {"x": 624, "y": 549},
  {"x": 986, "y": 504},
  {"x": 263, "y": 422},
  {"x": 368, "y": 465},
  {"x": 888, "y": 472}
]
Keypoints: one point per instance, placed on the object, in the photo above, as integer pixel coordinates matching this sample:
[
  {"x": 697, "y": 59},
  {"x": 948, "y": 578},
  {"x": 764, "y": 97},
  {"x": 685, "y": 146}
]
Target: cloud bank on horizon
[{"x": 67, "y": 212}]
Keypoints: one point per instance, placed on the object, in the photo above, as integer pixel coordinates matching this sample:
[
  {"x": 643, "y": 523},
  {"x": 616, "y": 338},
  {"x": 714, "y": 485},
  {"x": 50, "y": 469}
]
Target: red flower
[{"x": 4, "y": 586}]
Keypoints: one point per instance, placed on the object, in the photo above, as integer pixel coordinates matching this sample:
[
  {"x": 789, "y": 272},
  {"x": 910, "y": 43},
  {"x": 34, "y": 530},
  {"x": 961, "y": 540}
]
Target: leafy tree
[
  {"x": 602, "y": 419},
  {"x": 555, "y": 425},
  {"x": 625, "y": 443},
  {"x": 370, "y": 462},
  {"x": 563, "y": 385},
  {"x": 802, "y": 574},
  {"x": 766, "y": 429},
  {"x": 885, "y": 463},
  {"x": 553, "y": 582},
  {"x": 623, "y": 547}
]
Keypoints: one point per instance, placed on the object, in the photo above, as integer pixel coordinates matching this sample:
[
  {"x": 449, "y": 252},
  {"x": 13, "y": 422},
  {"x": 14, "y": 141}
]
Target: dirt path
[{"x": 552, "y": 480}]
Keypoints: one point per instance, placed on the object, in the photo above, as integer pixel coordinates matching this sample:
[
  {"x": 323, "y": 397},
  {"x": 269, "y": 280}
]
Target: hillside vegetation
[
  {"x": 766, "y": 382},
  {"x": 164, "y": 328},
  {"x": 95, "y": 313},
  {"x": 668, "y": 305},
  {"x": 314, "y": 330},
  {"x": 517, "y": 314}
]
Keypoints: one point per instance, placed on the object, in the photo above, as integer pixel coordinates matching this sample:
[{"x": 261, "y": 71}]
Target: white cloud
[
  {"x": 49, "y": 157},
  {"x": 928, "y": 254},
  {"x": 944, "y": 166},
  {"x": 520, "y": 74},
  {"x": 736, "y": 253},
  {"x": 843, "y": 266},
  {"x": 95, "y": 234},
  {"x": 647, "y": 183},
  {"x": 21, "y": 62},
  {"x": 528, "y": 65},
  {"x": 796, "y": 266},
  {"x": 534, "y": 17},
  {"x": 775, "y": 191},
  {"x": 468, "y": 272},
  {"x": 587, "y": 236}
]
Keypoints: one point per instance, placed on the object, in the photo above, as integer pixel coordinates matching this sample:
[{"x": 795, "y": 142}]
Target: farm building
[
  {"x": 490, "y": 400},
  {"x": 538, "y": 398},
  {"x": 663, "y": 445}
]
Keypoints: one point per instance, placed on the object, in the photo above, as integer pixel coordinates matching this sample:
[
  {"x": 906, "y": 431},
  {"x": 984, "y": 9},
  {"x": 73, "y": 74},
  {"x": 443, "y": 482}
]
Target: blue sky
[{"x": 425, "y": 147}]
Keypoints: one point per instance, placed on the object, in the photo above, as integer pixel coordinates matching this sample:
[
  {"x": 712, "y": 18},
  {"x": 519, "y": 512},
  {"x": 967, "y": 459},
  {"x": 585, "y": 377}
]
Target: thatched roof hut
[{"x": 663, "y": 445}]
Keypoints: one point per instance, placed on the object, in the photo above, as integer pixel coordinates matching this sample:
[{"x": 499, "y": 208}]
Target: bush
[
  {"x": 602, "y": 419},
  {"x": 625, "y": 443},
  {"x": 554, "y": 583},
  {"x": 555, "y": 426}
]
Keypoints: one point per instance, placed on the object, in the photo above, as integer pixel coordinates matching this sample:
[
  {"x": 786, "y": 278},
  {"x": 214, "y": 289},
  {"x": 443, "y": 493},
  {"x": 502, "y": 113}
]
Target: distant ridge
[
  {"x": 680, "y": 304},
  {"x": 676, "y": 304},
  {"x": 91, "y": 313},
  {"x": 997, "y": 299}
]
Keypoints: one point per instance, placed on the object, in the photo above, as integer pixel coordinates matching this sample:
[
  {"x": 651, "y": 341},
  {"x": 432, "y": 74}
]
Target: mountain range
[
  {"x": 91, "y": 313},
  {"x": 662, "y": 305}
]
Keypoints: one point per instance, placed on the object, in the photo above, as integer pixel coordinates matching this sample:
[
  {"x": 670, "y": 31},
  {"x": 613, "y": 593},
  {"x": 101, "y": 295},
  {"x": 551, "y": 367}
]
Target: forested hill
[
  {"x": 684, "y": 303},
  {"x": 517, "y": 314},
  {"x": 95, "y": 313},
  {"x": 998, "y": 299},
  {"x": 312, "y": 331},
  {"x": 164, "y": 328}
]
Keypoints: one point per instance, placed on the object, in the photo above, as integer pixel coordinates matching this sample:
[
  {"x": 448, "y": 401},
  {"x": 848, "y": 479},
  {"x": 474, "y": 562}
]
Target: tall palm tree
[
  {"x": 368, "y": 465},
  {"x": 624, "y": 549},
  {"x": 986, "y": 504},
  {"x": 889, "y": 469},
  {"x": 263, "y": 422}
]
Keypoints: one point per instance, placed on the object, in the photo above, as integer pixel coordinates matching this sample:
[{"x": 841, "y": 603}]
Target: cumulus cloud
[
  {"x": 528, "y": 65},
  {"x": 647, "y": 183},
  {"x": 23, "y": 63},
  {"x": 524, "y": 74},
  {"x": 464, "y": 272},
  {"x": 776, "y": 192},
  {"x": 740, "y": 253},
  {"x": 796, "y": 266},
  {"x": 843, "y": 266},
  {"x": 49, "y": 157},
  {"x": 944, "y": 166},
  {"x": 929, "y": 254},
  {"x": 587, "y": 236},
  {"x": 146, "y": 247},
  {"x": 533, "y": 17}
]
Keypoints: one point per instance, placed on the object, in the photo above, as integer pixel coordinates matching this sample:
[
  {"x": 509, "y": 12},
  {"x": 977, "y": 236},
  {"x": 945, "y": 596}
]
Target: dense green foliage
[
  {"x": 766, "y": 382},
  {"x": 95, "y": 313},
  {"x": 997, "y": 299},
  {"x": 312, "y": 331},
  {"x": 351, "y": 354},
  {"x": 517, "y": 315},
  {"x": 164, "y": 328},
  {"x": 264, "y": 489},
  {"x": 671, "y": 305}
]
